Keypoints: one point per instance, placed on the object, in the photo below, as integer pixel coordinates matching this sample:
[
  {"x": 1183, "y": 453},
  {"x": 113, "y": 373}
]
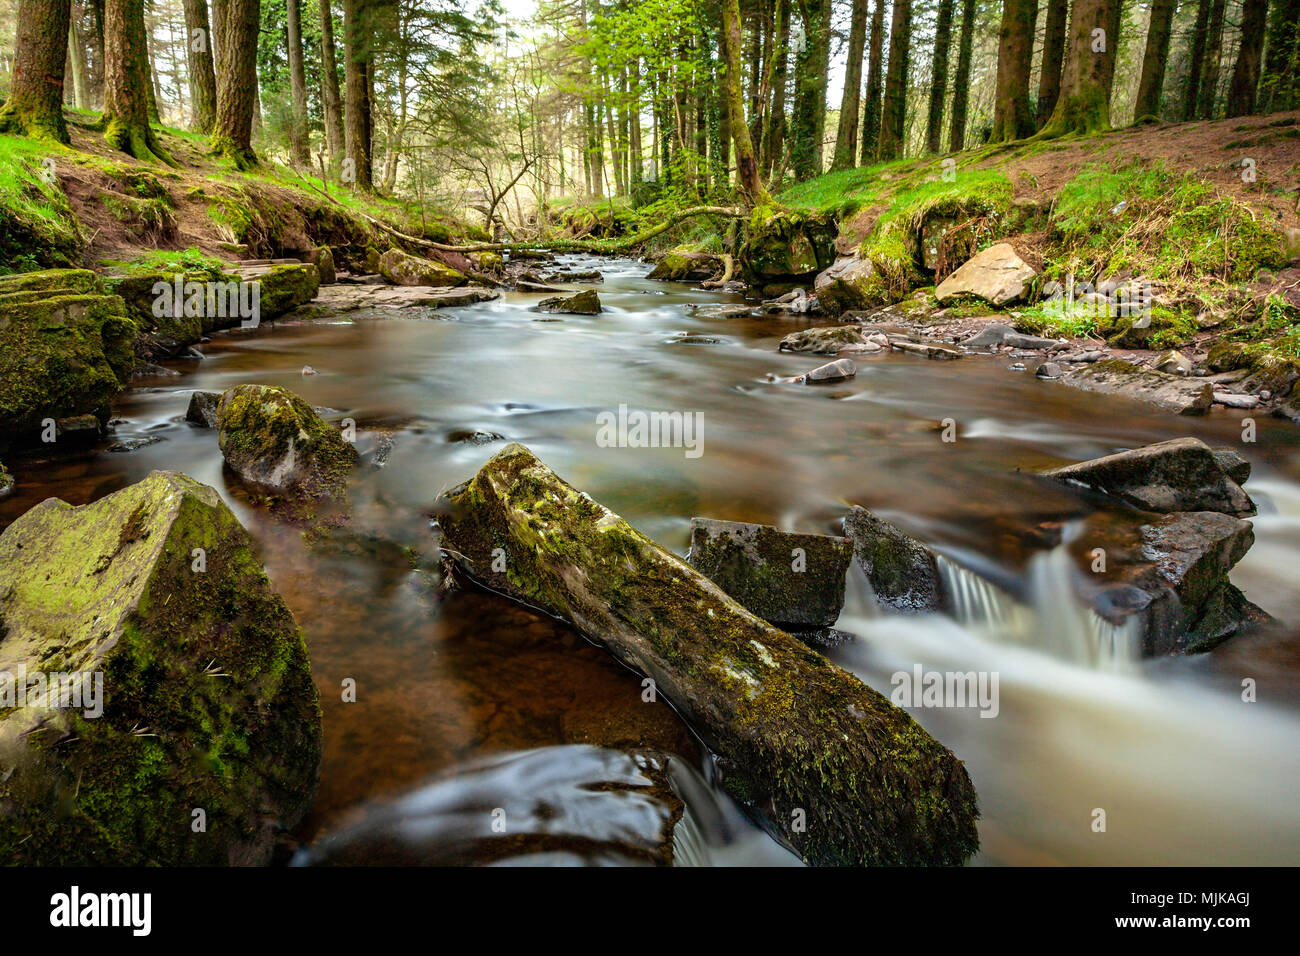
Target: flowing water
[{"x": 468, "y": 704}]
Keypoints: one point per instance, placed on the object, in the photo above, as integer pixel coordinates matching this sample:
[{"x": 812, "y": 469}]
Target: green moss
[{"x": 37, "y": 224}]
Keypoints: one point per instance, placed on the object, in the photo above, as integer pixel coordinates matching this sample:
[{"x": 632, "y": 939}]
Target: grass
[
  {"x": 843, "y": 193},
  {"x": 37, "y": 227}
]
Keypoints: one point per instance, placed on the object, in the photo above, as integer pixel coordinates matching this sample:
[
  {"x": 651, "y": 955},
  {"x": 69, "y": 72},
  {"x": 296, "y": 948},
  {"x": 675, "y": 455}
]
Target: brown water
[{"x": 484, "y": 693}]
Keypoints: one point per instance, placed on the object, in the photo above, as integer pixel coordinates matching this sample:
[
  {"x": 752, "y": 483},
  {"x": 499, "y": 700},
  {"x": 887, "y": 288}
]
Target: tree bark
[
  {"x": 747, "y": 175},
  {"x": 894, "y": 111},
  {"x": 126, "y": 82},
  {"x": 810, "y": 76},
  {"x": 76, "y": 69},
  {"x": 939, "y": 77},
  {"x": 1084, "y": 103},
  {"x": 1245, "y": 75},
  {"x": 1049, "y": 74},
  {"x": 775, "y": 137},
  {"x": 961, "y": 82},
  {"x": 298, "y": 138},
  {"x": 35, "y": 104},
  {"x": 1196, "y": 59},
  {"x": 875, "y": 73},
  {"x": 331, "y": 99},
  {"x": 237, "y": 23},
  {"x": 1209, "y": 86},
  {"x": 203, "y": 78},
  {"x": 357, "y": 62},
  {"x": 1282, "y": 64},
  {"x": 1154, "y": 61},
  {"x": 1012, "y": 117},
  {"x": 846, "y": 136}
]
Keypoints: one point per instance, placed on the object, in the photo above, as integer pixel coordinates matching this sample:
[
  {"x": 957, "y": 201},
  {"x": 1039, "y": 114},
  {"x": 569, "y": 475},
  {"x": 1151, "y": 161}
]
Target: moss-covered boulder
[
  {"x": 286, "y": 286},
  {"x": 276, "y": 441},
  {"x": 1174, "y": 393},
  {"x": 832, "y": 339},
  {"x": 401, "y": 268},
  {"x": 796, "y": 737},
  {"x": 785, "y": 578},
  {"x": 782, "y": 245},
  {"x": 684, "y": 266},
  {"x": 197, "y": 733},
  {"x": 65, "y": 349},
  {"x": 586, "y": 302},
  {"x": 850, "y": 283},
  {"x": 903, "y": 572}
]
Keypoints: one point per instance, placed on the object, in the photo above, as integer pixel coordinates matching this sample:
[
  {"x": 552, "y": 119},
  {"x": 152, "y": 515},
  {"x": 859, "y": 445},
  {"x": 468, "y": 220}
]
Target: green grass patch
[{"x": 37, "y": 225}]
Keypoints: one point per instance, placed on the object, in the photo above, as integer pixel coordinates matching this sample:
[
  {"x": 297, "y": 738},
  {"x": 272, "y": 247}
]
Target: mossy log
[{"x": 792, "y": 731}]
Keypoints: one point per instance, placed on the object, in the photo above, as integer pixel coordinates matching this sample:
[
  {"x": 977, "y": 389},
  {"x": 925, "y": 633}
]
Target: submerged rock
[
  {"x": 783, "y": 577},
  {"x": 1171, "y": 392},
  {"x": 275, "y": 440},
  {"x": 402, "y": 268},
  {"x": 790, "y": 730},
  {"x": 202, "y": 409},
  {"x": 902, "y": 571},
  {"x": 155, "y": 594},
  {"x": 997, "y": 275},
  {"x": 1183, "y": 474},
  {"x": 586, "y": 302}
]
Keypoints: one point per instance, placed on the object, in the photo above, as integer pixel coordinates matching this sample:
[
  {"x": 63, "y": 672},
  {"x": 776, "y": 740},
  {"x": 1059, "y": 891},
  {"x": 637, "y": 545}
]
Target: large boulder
[
  {"x": 903, "y": 572},
  {"x": 676, "y": 267},
  {"x": 1183, "y": 474},
  {"x": 785, "y": 578},
  {"x": 832, "y": 339},
  {"x": 273, "y": 439},
  {"x": 65, "y": 349},
  {"x": 997, "y": 275},
  {"x": 197, "y": 734},
  {"x": 401, "y": 268},
  {"x": 1167, "y": 579},
  {"x": 995, "y": 334},
  {"x": 783, "y": 246},
  {"x": 284, "y": 287},
  {"x": 1184, "y": 396},
  {"x": 790, "y": 730},
  {"x": 850, "y": 283}
]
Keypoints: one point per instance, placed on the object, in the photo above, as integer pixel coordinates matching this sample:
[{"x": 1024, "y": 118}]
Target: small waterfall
[{"x": 1053, "y": 620}]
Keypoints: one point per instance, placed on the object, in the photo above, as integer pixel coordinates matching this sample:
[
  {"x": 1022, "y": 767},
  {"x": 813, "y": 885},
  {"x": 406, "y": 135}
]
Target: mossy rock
[
  {"x": 61, "y": 354},
  {"x": 785, "y": 245},
  {"x": 287, "y": 286},
  {"x": 207, "y": 697},
  {"x": 1164, "y": 328},
  {"x": 790, "y": 730},
  {"x": 276, "y": 441},
  {"x": 401, "y": 268}
]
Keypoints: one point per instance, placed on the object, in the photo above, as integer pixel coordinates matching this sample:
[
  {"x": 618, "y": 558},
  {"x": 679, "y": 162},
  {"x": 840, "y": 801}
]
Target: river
[{"x": 502, "y": 708}]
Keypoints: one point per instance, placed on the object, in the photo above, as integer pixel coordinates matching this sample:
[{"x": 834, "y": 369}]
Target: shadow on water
[{"x": 465, "y": 700}]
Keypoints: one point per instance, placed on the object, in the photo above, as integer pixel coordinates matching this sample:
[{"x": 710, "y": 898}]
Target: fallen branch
[{"x": 728, "y": 270}]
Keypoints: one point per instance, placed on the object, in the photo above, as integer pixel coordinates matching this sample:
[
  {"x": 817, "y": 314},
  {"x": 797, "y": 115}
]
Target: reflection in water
[{"x": 1186, "y": 772}]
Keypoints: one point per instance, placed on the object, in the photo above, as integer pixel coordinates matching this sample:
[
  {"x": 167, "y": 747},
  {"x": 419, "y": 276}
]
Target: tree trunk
[
  {"x": 1282, "y": 65},
  {"x": 357, "y": 60},
  {"x": 203, "y": 79},
  {"x": 298, "y": 138},
  {"x": 232, "y": 133},
  {"x": 635, "y": 166},
  {"x": 894, "y": 112},
  {"x": 1049, "y": 74},
  {"x": 35, "y": 104},
  {"x": 774, "y": 138},
  {"x": 1245, "y": 75},
  {"x": 1154, "y": 61},
  {"x": 1196, "y": 60},
  {"x": 1084, "y": 103},
  {"x": 126, "y": 82},
  {"x": 76, "y": 68},
  {"x": 747, "y": 175},
  {"x": 1012, "y": 118},
  {"x": 810, "y": 75},
  {"x": 846, "y": 136},
  {"x": 1209, "y": 86},
  {"x": 939, "y": 77},
  {"x": 331, "y": 99},
  {"x": 875, "y": 71}
]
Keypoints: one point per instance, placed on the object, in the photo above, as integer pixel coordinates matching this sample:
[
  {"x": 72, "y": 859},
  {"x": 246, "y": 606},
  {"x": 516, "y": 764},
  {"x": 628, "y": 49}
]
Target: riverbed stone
[
  {"x": 678, "y": 266},
  {"x": 996, "y": 334},
  {"x": 402, "y": 268},
  {"x": 207, "y": 696},
  {"x": 997, "y": 275},
  {"x": 1183, "y": 474},
  {"x": 836, "y": 371},
  {"x": 273, "y": 439},
  {"x": 849, "y": 283},
  {"x": 202, "y": 409},
  {"x": 1174, "y": 393},
  {"x": 825, "y": 340},
  {"x": 586, "y": 302},
  {"x": 903, "y": 572},
  {"x": 786, "y": 578},
  {"x": 788, "y": 728}
]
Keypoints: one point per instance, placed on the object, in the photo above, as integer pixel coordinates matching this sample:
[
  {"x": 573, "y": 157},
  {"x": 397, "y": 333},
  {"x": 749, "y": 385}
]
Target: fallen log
[{"x": 847, "y": 777}]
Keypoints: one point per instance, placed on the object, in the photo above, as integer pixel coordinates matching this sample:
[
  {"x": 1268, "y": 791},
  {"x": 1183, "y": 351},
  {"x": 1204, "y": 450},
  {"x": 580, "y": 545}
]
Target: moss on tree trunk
[{"x": 35, "y": 104}]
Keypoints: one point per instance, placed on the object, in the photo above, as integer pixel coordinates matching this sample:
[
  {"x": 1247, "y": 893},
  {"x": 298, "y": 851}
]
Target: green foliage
[{"x": 37, "y": 226}]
